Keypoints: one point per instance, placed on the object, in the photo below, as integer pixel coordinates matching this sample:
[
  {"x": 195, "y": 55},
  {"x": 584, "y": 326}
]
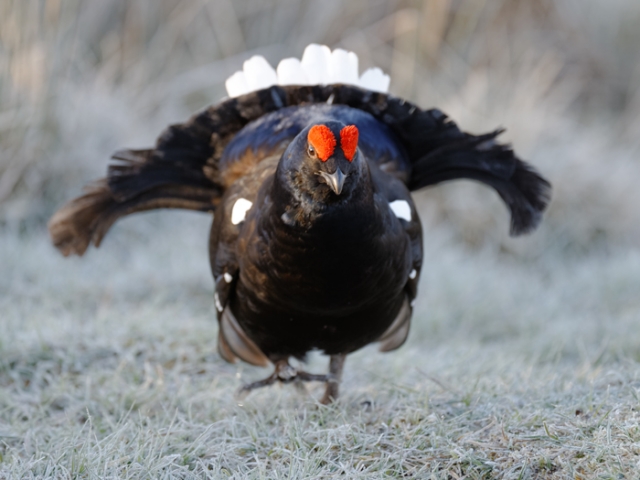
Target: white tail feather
[
  {"x": 374, "y": 79},
  {"x": 343, "y": 67},
  {"x": 259, "y": 73},
  {"x": 315, "y": 63},
  {"x": 290, "y": 72},
  {"x": 319, "y": 66},
  {"x": 236, "y": 84}
]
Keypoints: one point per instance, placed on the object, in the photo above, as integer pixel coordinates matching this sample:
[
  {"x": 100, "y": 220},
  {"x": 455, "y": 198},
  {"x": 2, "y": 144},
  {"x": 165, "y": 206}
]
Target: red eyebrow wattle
[
  {"x": 349, "y": 141},
  {"x": 323, "y": 140}
]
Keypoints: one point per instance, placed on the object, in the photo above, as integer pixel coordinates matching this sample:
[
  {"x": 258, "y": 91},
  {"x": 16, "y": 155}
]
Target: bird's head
[{"x": 322, "y": 163}]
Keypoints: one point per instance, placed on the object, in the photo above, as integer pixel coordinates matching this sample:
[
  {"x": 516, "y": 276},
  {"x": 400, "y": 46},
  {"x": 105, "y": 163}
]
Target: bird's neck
[{"x": 307, "y": 209}]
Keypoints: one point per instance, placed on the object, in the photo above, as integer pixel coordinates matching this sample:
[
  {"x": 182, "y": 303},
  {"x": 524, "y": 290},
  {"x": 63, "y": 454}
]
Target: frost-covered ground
[{"x": 108, "y": 369}]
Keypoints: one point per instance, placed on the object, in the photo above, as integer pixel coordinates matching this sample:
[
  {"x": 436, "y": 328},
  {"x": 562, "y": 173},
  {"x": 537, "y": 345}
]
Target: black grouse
[{"x": 315, "y": 242}]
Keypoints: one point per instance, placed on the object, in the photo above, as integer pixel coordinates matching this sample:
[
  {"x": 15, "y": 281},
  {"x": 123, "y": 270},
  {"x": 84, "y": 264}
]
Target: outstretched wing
[
  {"x": 184, "y": 170},
  {"x": 439, "y": 151}
]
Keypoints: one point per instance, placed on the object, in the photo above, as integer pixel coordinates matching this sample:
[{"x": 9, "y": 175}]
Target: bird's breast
[
  {"x": 336, "y": 286},
  {"x": 336, "y": 267}
]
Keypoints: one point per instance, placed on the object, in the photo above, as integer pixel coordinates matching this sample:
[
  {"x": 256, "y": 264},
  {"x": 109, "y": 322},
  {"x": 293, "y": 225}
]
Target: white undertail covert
[{"x": 318, "y": 66}]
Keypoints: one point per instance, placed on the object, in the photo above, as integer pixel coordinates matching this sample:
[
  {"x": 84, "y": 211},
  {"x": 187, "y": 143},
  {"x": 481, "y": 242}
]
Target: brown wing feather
[{"x": 182, "y": 171}]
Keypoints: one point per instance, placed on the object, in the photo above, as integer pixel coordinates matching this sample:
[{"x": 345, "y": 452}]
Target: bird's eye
[{"x": 311, "y": 151}]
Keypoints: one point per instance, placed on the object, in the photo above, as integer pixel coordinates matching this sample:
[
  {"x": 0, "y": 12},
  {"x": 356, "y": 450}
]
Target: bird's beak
[{"x": 334, "y": 180}]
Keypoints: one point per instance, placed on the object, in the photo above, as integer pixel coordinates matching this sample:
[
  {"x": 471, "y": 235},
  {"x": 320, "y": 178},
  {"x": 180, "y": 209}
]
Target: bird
[{"x": 316, "y": 243}]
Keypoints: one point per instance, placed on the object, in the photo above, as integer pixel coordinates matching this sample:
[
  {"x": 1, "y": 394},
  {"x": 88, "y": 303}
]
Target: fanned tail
[{"x": 183, "y": 170}]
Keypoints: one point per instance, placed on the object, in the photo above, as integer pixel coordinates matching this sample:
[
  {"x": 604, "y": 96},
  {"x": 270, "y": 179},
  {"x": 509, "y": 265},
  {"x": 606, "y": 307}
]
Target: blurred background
[
  {"x": 527, "y": 330},
  {"x": 80, "y": 79}
]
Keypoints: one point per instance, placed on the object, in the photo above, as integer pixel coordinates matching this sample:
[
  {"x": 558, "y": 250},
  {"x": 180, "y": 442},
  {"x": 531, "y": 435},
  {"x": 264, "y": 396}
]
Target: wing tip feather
[
  {"x": 72, "y": 228},
  {"x": 536, "y": 192}
]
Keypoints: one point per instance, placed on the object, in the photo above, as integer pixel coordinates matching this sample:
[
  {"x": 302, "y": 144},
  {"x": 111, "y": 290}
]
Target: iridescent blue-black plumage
[
  {"x": 275, "y": 130},
  {"x": 316, "y": 269},
  {"x": 305, "y": 269}
]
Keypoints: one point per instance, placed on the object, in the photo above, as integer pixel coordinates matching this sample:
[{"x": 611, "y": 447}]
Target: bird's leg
[
  {"x": 336, "y": 364},
  {"x": 285, "y": 373},
  {"x": 270, "y": 380}
]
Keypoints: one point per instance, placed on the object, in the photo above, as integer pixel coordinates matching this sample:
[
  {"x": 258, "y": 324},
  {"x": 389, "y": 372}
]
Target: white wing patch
[
  {"x": 218, "y": 304},
  {"x": 240, "y": 209},
  {"x": 401, "y": 209},
  {"x": 318, "y": 66},
  {"x": 227, "y": 277}
]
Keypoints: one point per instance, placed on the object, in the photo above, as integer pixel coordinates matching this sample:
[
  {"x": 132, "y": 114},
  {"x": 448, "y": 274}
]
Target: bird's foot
[{"x": 285, "y": 373}]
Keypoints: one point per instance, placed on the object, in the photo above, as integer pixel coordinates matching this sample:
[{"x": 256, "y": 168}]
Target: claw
[{"x": 285, "y": 373}]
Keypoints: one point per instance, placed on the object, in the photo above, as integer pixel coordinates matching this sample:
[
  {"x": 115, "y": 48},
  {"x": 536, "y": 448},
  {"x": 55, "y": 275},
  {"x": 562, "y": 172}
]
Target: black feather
[
  {"x": 304, "y": 264},
  {"x": 183, "y": 170}
]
